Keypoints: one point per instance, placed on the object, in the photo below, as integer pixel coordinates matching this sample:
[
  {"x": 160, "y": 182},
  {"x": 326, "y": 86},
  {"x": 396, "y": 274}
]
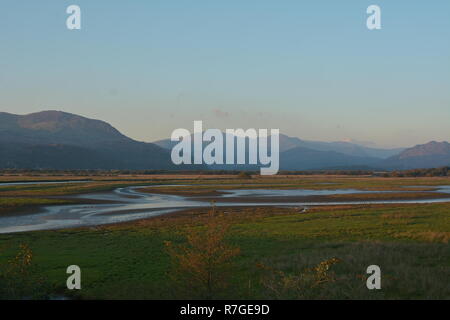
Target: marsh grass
[
  {"x": 19, "y": 279},
  {"x": 129, "y": 260},
  {"x": 408, "y": 270},
  {"x": 9, "y": 205}
]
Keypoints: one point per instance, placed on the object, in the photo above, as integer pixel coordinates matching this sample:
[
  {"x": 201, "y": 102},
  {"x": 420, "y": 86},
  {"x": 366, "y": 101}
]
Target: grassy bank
[
  {"x": 409, "y": 243},
  {"x": 10, "y": 206}
]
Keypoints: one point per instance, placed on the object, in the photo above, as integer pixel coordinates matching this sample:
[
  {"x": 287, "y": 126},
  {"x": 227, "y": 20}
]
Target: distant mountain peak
[
  {"x": 56, "y": 116},
  {"x": 57, "y": 127},
  {"x": 427, "y": 149},
  {"x": 429, "y": 155},
  {"x": 61, "y": 140},
  {"x": 369, "y": 144}
]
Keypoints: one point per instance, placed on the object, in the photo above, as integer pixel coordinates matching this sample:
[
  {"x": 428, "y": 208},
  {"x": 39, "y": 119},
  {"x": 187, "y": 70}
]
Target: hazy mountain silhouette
[
  {"x": 297, "y": 154},
  {"x": 60, "y": 140},
  {"x": 288, "y": 143},
  {"x": 309, "y": 159},
  {"x": 430, "y": 155},
  {"x": 348, "y": 148}
]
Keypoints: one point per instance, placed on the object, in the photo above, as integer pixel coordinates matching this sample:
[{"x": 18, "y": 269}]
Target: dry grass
[{"x": 426, "y": 236}]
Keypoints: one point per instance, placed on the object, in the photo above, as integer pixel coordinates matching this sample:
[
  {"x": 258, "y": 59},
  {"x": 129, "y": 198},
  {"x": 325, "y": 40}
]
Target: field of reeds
[{"x": 265, "y": 252}]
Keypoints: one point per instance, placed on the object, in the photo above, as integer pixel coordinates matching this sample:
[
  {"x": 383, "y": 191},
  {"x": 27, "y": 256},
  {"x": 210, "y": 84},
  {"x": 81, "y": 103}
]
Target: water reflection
[{"x": 130, "y": 204}]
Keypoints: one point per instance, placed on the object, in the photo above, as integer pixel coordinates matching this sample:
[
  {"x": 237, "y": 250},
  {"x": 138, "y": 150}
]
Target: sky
[{"x": 309, "y": 68}]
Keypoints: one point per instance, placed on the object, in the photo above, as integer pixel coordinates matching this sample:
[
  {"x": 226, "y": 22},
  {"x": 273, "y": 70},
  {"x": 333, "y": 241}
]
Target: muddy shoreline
[
  {"x": 326, "y": 199},
  {"x": 136, "y": 203}
]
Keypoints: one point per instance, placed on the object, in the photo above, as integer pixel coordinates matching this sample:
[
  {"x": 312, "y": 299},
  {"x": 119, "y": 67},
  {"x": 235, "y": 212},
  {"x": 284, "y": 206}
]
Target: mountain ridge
[
  {"x": 56, "y": 139},
  {"x": 422, "y": 156}
]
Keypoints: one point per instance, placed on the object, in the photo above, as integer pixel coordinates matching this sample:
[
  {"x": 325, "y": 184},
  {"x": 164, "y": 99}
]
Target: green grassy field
[
  {"x": 278, "y": 249},
  {"x": 129, "y": 261}
]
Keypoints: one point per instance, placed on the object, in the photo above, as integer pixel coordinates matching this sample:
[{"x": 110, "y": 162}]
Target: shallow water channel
[{"x": 130, "y": 204}]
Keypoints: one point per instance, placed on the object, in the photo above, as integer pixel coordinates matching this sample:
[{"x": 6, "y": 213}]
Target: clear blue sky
[{"x": 310, "y": 68}]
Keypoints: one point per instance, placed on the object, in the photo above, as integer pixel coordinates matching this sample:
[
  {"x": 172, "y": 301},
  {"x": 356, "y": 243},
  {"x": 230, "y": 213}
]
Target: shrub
[{"x": 202, "y": 265}]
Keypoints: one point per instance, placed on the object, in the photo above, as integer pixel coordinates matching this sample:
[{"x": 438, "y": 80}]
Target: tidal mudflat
[{"x": 128, "y": 204}]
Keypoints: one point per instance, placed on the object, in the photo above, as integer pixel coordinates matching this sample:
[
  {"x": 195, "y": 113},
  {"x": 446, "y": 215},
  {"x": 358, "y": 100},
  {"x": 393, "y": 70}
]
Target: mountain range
[
  {"x": 60, "y": 140},
  {"x": 430, "y": 155}
]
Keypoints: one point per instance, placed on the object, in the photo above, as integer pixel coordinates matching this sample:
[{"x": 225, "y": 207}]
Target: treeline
[
  {"x": 80, "y": 172},
  {"x": 41, "y": 172},
  {"x": 434, "y": 172},
  {"x": 328, "y": 172},
  {"x": 95, "y": 172}
]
